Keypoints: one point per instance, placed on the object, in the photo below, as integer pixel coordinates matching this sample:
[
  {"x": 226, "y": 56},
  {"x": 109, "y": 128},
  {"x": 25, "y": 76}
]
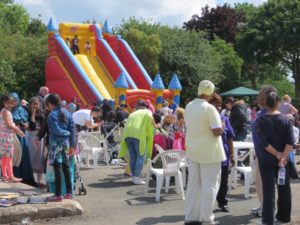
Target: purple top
[
  {"x": 227, "y": 134},
  {"x": 285, "y": 108}
]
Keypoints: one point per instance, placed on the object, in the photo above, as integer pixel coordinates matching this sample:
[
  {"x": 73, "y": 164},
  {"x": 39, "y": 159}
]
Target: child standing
[
  {"x": 36, "y": 146},
  {"x": 7, "y": 132},
  {"x": 61, "y": 146}
]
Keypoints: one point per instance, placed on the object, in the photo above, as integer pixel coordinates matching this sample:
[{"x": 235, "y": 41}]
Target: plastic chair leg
[
  {"x": 247, "y": 184},
  {"x": 183, "y": 171},
  {"x": 146, "y": 187},
  {"x": 167, "y": 184},
  {"x": 159, "y": 184},
  {"x": 180, "y": 179}
]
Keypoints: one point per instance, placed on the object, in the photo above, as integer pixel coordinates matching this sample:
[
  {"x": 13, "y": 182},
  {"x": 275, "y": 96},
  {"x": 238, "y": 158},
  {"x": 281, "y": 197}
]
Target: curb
[{"x": 40, "y": 211}]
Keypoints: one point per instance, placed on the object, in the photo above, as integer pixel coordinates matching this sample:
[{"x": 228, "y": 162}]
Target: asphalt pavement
[{"x": 113, "y": 200}]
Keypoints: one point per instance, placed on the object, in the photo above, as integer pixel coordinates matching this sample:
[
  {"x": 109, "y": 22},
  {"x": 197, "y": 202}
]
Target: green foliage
[
  {"x": 147, "y": 47},
  {"x": 231, "y": 64},
  {"x": 190, "y": 55},
  {"x": 23, "y": 50},
  {"x": 283, "y": 86},
  {"x": 26, "y": 58},
  {"x": 36, "y": 28},
  {"x": 7, "y": 77},
  {"x": 272, "y": 36},
  {"x": 14, "y": 18}
]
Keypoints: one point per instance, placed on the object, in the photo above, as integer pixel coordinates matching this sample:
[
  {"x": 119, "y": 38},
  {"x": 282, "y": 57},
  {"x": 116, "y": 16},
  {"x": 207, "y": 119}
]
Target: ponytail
[{"x": 272, "y": 100}]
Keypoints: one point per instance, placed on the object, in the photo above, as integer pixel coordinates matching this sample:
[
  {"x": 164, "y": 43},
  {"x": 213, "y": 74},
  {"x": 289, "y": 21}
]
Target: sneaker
[
  {"x": 68, "y": 196},
  {"x": 55, "y": 198},
  {"x": 138, "y": 181},
  {"x": 257, "y": 212},
  {"x": 254, "y": 210}
]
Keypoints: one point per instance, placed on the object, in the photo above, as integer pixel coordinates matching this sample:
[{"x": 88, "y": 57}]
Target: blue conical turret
[
  {"x": 175, "y": 83},
  {"x": 51, "y": 27},
  {"x": 157, "y": 83},
  {"x": 106, "y": 28},
  {"x": 121, "y": 82}
]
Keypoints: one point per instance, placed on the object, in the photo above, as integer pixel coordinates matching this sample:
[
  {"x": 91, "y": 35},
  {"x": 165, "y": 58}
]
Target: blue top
[
  {"x": 228, "y": 133},
  {"x": 275, "y": 130},
  {"x": 60, "y": 130}
]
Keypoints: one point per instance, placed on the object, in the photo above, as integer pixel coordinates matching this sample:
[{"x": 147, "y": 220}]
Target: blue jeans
[{"x": 136, "y": 160}]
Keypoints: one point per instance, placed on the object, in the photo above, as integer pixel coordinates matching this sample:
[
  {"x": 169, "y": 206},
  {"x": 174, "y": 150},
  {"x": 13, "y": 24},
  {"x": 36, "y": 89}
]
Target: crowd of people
[{"x": 45, "y": 130}]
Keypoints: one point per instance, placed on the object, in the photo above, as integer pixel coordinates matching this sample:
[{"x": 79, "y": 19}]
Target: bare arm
[
  {"x": 89, "y": 124},
  {"x": 10, "y": 123},
  {"x": 273, "y": 151},
  {"x": 293, "y": 109},
  {"x": 157, "y": 126},
  {"x": 230, "y": 145},
  {"x": 217, "y": 131}
]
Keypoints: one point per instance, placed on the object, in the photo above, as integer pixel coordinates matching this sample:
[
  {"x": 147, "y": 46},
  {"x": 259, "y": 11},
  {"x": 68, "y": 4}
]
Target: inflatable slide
[{"x": 90, "y": 75}]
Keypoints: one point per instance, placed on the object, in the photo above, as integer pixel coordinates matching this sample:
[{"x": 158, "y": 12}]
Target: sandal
[{"x": 14, "y": 179}]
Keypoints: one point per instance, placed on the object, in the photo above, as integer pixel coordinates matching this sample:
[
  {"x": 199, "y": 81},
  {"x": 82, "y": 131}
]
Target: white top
[
  {"x": 166, "y": 111},
  {"x": 82, "y": 116},
  {"x": 202, "y": 145}
]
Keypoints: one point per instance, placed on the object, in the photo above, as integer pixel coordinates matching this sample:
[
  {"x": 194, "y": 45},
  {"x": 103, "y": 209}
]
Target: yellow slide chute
[
  {"x": 92, "y": 74},
  {"x": 89, "y": 62}
]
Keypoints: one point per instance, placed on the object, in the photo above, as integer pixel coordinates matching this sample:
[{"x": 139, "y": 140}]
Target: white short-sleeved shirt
[
  {"x": 202, "y": 145},
  {"x": 81, "y": 116}
]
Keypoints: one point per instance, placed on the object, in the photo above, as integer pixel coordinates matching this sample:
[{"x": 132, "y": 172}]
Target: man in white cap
[{"x": 205, "y": 153}]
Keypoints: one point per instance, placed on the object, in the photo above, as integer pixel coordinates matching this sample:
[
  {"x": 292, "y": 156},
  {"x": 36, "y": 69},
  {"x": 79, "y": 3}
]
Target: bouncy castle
[{"x": 110, "y": 70}]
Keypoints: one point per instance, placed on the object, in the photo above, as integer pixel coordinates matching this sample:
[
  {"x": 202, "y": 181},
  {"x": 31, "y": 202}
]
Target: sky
[{"x": 170, "y": 12}]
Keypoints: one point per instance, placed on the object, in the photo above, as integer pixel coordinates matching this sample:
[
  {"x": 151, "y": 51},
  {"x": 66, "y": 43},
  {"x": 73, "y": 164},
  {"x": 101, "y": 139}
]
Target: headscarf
[
  {"x": 206, "y": 87},
  {"x": 19, "y": 113}
]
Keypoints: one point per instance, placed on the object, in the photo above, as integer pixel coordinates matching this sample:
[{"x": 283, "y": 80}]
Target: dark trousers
[
  {"x": 222, "y": 193},
  {"x": 58, "y": 169},
  {"x": 284, "y": 205}
]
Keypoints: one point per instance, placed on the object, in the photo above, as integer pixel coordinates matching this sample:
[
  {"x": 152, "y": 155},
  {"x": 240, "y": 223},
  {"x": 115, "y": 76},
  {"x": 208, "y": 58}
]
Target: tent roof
[{"x": 240, "y": 91}]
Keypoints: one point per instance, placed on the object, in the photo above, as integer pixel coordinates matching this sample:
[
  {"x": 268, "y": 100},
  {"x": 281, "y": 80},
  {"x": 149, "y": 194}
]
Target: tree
[
  {"x": 142, "y": 36},
  {"x": 190, "y": 55},
  {"x": 272, "y": 35},
  {"x": 7, "y": 76},
  {"x": 222, "y": 21},
  {"x": 14, "y": 18},
  {"x": 146, "y": 47},
  {"x": 36, "y": 28},
  {"x": 231, "y": 64}
]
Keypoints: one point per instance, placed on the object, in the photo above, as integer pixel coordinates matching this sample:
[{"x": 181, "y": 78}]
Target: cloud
[{"x": 171, "y": 12}]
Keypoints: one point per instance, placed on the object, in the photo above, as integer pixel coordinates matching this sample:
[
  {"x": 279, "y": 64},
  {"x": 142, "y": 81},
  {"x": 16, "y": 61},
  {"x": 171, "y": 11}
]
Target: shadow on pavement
[{"x": 161, "y": 220}]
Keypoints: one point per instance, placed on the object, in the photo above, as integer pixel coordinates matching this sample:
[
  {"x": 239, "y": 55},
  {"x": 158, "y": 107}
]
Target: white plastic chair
[
  {"x": 183, "y": 166},
  {"x": 92, "y": 145},
  {"x": 248, "y": 172},
  {"x": 170, "y": 167}
]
